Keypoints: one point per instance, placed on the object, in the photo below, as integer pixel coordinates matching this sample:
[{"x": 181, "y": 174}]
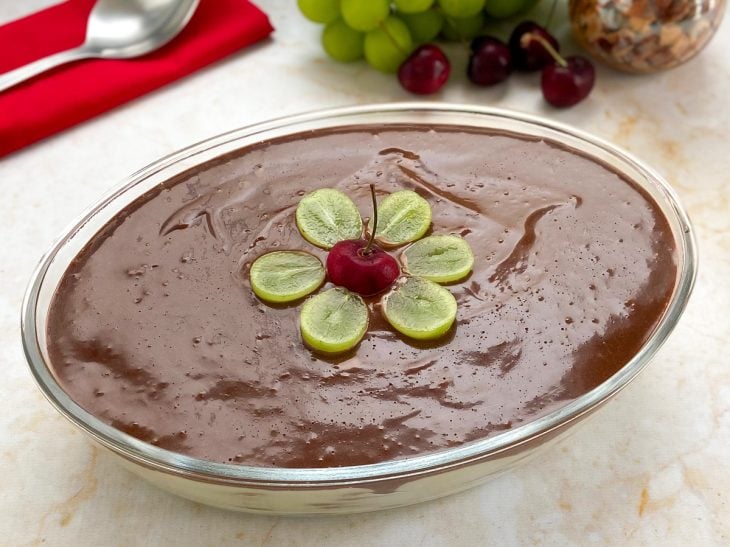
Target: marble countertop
[{"x": 651, "y": 468}]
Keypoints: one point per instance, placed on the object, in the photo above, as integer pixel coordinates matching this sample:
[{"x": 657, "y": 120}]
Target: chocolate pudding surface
[{"x": 155, "y": 330}]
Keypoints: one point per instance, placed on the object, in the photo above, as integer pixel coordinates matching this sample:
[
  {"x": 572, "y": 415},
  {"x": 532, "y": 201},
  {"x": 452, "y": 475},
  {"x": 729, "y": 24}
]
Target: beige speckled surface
[{"x": 649, "y": 469}]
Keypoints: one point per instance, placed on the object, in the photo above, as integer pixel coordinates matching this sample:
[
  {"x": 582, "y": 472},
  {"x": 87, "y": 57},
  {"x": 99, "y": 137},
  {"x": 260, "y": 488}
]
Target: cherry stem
[
  {"x": 366, "y": 250},
  {"x": 548, "y": 47}
]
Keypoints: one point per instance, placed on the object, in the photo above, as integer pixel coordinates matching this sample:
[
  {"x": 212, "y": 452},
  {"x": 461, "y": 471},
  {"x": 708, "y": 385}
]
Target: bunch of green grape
[{"x": 385, "y": 32}]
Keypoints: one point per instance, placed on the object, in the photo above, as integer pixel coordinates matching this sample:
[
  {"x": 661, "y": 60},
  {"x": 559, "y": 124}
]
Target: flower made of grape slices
[{"x": 335, "y": 320}]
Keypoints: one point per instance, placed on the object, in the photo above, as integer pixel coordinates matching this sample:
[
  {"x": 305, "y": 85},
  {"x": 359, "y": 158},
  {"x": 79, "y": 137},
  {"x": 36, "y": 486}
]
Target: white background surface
[{"x": 651, "y": 468}]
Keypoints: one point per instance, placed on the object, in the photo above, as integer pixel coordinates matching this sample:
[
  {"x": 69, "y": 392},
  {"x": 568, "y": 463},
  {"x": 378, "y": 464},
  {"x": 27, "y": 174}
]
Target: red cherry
[
  {"x": 529, "y": 54},
  {"x": 364, "y": 273},
  {"x": 425, "y": 71},
  {"x": 569, "y": 83},
  {"x": 490, "y": 61}
]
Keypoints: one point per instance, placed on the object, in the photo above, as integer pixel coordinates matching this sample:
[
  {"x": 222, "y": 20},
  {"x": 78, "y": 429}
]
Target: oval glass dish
[{"x": 389, "y": 484}]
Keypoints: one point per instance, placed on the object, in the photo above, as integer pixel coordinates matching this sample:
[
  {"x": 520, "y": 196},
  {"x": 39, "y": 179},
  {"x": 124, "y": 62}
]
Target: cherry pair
[{"x": 565, "y": 81}]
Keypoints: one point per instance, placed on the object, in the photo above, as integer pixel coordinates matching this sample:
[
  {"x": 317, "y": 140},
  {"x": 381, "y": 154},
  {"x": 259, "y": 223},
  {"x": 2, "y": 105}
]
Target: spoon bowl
[{"x": 117, "y": 29}]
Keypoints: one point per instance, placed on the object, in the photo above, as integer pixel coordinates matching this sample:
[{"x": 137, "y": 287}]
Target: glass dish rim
[{"x": 194, "y": 468}]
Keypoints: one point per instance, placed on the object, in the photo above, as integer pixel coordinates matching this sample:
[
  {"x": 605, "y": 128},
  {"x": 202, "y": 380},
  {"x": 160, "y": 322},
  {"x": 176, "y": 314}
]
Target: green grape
[
  {"x": 503, "y": 8},
  {"x": 364, "y": 15},
  {"x": 388, "y": 46},
  {"x": 320, "y": 11},
  {"x": 424, "y": 26},
  {"x": 461, "y": 8},
  {"x": 412, "y": 6},
  {"x": 341, "y": 42},
  {"x": 467, "y": 28},
  {"x": 528, "y": 5}
]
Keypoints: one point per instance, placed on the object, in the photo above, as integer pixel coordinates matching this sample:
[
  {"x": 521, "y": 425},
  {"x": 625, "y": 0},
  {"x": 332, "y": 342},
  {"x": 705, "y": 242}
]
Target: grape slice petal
[
  {"x": 283, "y": 276},
  {"x": 327, "y": 216},
  {"x": 333, "y": 321},
  {"x": 420, "y": 308},
  {"x": 438, "y": 258},
  {"x": 402, "y": 217}
]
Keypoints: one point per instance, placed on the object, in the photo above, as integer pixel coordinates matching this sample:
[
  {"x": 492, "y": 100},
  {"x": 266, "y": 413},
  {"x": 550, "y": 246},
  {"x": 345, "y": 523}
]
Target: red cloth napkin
[{"x": 78, "y": 91}]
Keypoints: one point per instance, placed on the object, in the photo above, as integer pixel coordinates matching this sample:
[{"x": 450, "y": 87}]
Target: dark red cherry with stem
[
  {"x": 349, "y": 266},
  {"x": 361, "y": 266},
  {"x": 425, "y": 71},
  {"x": 529, "y": 54},
  {"x": 490, "y": 61},
  {"x": 567, "y": 83}
]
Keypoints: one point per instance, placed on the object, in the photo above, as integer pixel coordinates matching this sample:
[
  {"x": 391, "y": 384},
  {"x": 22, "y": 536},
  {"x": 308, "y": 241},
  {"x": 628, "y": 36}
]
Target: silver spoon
[{"x": 117, "y": 29}]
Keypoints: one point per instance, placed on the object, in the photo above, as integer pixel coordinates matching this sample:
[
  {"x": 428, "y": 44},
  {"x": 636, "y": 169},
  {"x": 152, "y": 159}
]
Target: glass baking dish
[{"x": 365, "y": 487}]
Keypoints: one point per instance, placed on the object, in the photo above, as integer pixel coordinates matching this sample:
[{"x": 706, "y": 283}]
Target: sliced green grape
[
  {"x": 461, "y": 8},
  {"x": 283, "y": 276},
  {"x": 439, "y": 258},
  {"x": 333, "y": 321},
  {"x": 412, "y": 6},
  {"x": 501, "y": 9},
  {"x": 458, "y": 30},
  {"x": 320, "y": 11},
  {"x": 388, "y": 46},
  {"x": 327, "y": 216},
  {"x": 420, "y": 308},
  {"x": 341, "y": 42},
  {"x": 402, "y": 217},
  {"x": 364, "y": 15},
  {"x": 424, "y": 26}
]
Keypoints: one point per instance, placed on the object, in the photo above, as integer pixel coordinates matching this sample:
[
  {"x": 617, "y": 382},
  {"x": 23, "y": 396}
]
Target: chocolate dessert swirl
[{"x": 574, "y": 268}]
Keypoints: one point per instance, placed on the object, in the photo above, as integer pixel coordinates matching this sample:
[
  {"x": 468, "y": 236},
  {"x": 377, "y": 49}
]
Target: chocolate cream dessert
[{"x": 155, "y": 330}]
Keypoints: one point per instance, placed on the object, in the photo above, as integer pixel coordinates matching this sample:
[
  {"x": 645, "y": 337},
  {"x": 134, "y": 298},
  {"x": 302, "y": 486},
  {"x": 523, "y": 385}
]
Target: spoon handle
[{"x": 14, "y": 77}]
